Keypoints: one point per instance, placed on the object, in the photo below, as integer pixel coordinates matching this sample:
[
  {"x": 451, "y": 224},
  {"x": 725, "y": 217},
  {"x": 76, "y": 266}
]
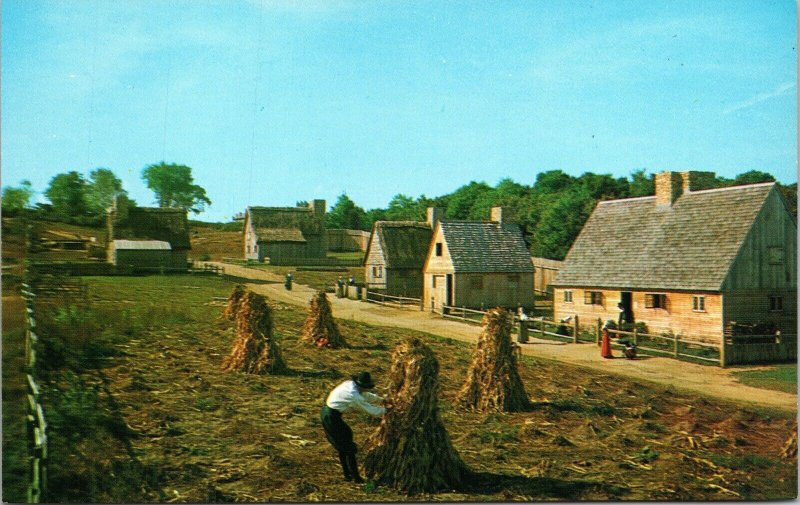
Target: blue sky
[{"x": 275, "y": 101}]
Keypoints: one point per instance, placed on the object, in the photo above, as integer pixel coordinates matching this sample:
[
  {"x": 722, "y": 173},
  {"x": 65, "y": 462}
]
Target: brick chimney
[
  {"x": 435, "y": 214},
  {"x": 496, "y": 215},
  {"x": 669, "y": 186}
]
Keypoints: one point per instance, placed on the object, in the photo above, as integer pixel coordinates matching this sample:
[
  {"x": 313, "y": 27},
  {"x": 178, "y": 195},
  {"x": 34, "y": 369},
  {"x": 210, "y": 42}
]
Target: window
[
  {"x": 776, "y": 303},
  {"x": 568, "y": 296},
  {"x": 775, "y": 255},
  {"x": 655, "y": 300},
  {"x": 593, "y": 297},
  {"x": 377, "y": 271},
  {"x": 476, "y": 282},
  {"x": 438, "y": 249},
  {"x": 699, "y": 303}
]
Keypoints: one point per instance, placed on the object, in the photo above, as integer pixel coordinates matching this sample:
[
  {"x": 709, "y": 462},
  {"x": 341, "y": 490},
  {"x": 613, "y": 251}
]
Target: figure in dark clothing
[{"x": 347, "y": 395}]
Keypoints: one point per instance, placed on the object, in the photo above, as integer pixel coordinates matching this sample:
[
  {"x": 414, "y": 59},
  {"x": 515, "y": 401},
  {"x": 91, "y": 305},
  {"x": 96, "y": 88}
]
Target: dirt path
[{"x": 707, "y": 380}]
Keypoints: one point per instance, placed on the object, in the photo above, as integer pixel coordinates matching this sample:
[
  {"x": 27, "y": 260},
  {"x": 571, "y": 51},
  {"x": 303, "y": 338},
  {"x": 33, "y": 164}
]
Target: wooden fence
[
  {"x": 34, "y": 418},
  {"x": 674, "y": 346},
  {"x": 759, "y": 349},
  {"x": 393, "y": 301},
  {"x": 564, "y": 330}
]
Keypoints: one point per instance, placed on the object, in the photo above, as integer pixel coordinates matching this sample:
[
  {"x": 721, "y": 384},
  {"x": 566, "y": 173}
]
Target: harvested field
[{"x": 198, "y": 433}]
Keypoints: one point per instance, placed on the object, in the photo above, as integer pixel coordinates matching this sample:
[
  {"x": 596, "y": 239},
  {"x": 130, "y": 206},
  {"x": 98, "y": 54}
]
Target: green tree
[
  {"x": 561, "y": 223},
  {"x": 642, "y": 184},
  {"x": 102, "y": 188},
  {"x": 17, "y": 199},
  {"x": 460, "y": 202},
  {"x": 174, "y": 187},
  {"x": 67, "y": 194},
  {"x": 345, "y": 214},
  {"x": 404, "y": 208},
  {"x": 753, "y": 177}
]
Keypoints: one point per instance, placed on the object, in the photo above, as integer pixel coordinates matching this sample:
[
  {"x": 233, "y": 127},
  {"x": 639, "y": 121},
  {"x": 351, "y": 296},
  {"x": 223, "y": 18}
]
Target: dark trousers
[{"x": 340, "y": 436}]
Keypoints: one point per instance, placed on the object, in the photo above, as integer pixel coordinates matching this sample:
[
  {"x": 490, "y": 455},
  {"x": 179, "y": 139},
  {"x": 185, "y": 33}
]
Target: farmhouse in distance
[
  {"x": 396, "y": 254},
  {"x": 693, "y": 261},
  {"x": 285, "y": 233}
]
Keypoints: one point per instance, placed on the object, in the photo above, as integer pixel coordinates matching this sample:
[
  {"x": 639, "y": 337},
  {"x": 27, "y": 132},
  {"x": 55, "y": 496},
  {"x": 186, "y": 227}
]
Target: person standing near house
[
  {"x": 346, "y": 396},
  {"x": 605, "y": 345}
]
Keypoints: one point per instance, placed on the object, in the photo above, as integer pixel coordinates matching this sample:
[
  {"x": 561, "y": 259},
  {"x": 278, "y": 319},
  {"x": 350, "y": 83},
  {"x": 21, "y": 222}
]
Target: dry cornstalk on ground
[
  {"x": 234, "y": 299},
  {"x": 493, "y": 381},
  {"x": 320, "y": 328},
  {"x": 789, "y": 450},
  {"x": 411, "y": 450},
  {"x": 254, "y": 349}
]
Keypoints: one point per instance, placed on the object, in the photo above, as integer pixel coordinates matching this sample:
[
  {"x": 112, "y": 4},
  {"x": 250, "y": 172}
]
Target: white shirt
[{"x": 346, "y": 396}]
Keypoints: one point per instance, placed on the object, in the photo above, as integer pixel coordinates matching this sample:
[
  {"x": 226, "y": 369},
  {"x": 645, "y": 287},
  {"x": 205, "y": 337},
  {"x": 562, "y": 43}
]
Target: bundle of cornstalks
[
  {"x": 320, "y": 328},
  {"x": 254, "y": 349},
  {"x": 493, "y": 381},
  {"x": 411, "y": 450},
  {"x": 233, "y": 302}
]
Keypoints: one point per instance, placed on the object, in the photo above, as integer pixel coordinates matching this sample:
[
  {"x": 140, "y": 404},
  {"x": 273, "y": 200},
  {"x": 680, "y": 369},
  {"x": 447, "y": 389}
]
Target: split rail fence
[
  {"x": 380, "y": 298},
  {"x": 34, "y": 418}
]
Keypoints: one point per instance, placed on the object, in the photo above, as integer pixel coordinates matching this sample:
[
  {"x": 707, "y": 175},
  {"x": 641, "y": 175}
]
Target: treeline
[
  {"x": 551, "y": 211},
  {"x": 81, "y": 200}
]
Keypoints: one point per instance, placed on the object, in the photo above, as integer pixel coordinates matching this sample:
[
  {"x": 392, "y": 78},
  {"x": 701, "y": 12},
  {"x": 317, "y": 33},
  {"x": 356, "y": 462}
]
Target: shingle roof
[
  {"x": 301, "y": 219},
  {"x": 404, "y": 243},
  {"x": 689, "y": 246},
  {"x": 137, "y": 245},
  {"x": 155, "y": 223},
  {"x": 280, "y": 234},
  {"x": 486, "y": 247}
]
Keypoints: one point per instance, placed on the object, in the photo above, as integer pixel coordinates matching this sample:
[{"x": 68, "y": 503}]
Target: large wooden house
[
  {"x": 284, "y": 234},
  {"x": 690, "y": 261},
  {"x": 478, "y": 264},
  {"x": 147, "y": 237},
  {"x": 396, "y": 253}
]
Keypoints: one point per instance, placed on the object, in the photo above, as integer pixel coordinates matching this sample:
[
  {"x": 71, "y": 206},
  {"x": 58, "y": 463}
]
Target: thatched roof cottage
[{"x": 285, "y": 234}]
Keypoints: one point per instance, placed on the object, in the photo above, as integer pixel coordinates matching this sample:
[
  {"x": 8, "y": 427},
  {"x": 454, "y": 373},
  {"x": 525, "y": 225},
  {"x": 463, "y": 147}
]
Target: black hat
[{"x": 363, "y": 380}]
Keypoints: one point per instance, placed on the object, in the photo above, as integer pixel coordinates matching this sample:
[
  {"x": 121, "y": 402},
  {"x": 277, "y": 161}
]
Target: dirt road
[{"x": 707, "y": 380}]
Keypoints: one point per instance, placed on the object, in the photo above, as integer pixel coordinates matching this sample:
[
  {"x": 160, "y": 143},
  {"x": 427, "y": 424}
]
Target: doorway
[{"x": 626, "y": 312}]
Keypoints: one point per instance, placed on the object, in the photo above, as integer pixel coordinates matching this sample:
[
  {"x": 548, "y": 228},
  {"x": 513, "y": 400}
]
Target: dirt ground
[{"x": 708, "y": 380}]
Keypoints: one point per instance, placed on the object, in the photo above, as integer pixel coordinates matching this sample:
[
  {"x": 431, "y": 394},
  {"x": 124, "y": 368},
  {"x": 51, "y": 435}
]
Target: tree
[
  {"x": 345, "y": 214},
  {"x": 561, "y": 223},
  {"x": 174, "y": 186},
  {"x": 403, "y": 208},
  {"x": 102, "y": 188},
  {"x": 17, "y": 199},
  {"x": 67, "y": 193},
  {"x": 461, "y": 201},
  {"x": 642, "y": 184}
]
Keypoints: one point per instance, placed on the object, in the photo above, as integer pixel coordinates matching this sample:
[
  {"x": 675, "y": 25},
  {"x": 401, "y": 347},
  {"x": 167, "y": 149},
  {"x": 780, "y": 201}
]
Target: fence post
[
  {"x": 635, "y": 336},
  {"x": 541, "y": 327},
  {"x": 675, "y": 346},
  {"x": 463, "y": 313},
  {"x": 597, "y": 332},
  {"x": 723, "y": 358},
  {"x": 575, "y": 331}
]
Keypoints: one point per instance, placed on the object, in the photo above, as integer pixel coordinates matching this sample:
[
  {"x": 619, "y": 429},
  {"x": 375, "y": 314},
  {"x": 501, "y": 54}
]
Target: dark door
[
  {"x": 627, "y": 307},
  {"x": 449, "y": 292}
]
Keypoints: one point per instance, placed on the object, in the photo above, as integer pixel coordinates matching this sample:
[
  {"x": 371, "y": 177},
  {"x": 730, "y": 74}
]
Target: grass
[
  {"x": 776, "y": 377},
  {"x": 174, "y": 427}
]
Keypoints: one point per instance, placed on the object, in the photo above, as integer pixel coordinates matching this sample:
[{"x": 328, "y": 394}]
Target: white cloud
[{"x": 783, "y": 89}]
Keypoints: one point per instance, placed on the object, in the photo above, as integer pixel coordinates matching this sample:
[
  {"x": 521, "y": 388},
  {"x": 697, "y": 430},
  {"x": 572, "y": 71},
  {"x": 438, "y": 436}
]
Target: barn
[
  {"x": 396, "y": 254},
  {"x": 478, "y": 264},
  {"x": 691, "y": 261},
  {"x": 285, "y": 234},
  {"x": 135, "y": 236}
]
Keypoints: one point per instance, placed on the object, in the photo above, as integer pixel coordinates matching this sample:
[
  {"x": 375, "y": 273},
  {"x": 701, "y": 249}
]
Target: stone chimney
[
  {"x": 496, "y": 215},
  {"x": 319, "y": 208},
  {"x": 435, "y": 214},
  {"x": 669, "y": 186}
]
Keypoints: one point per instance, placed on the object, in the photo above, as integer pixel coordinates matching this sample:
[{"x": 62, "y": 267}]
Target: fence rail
[
  {"x": 34, "y": 418},
  {"x": 391, "y": 300}
]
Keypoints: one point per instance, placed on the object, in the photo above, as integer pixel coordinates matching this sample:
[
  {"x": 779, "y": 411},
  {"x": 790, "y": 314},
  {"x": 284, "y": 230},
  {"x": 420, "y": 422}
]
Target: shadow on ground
[{"x": 535, "y": 488}]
